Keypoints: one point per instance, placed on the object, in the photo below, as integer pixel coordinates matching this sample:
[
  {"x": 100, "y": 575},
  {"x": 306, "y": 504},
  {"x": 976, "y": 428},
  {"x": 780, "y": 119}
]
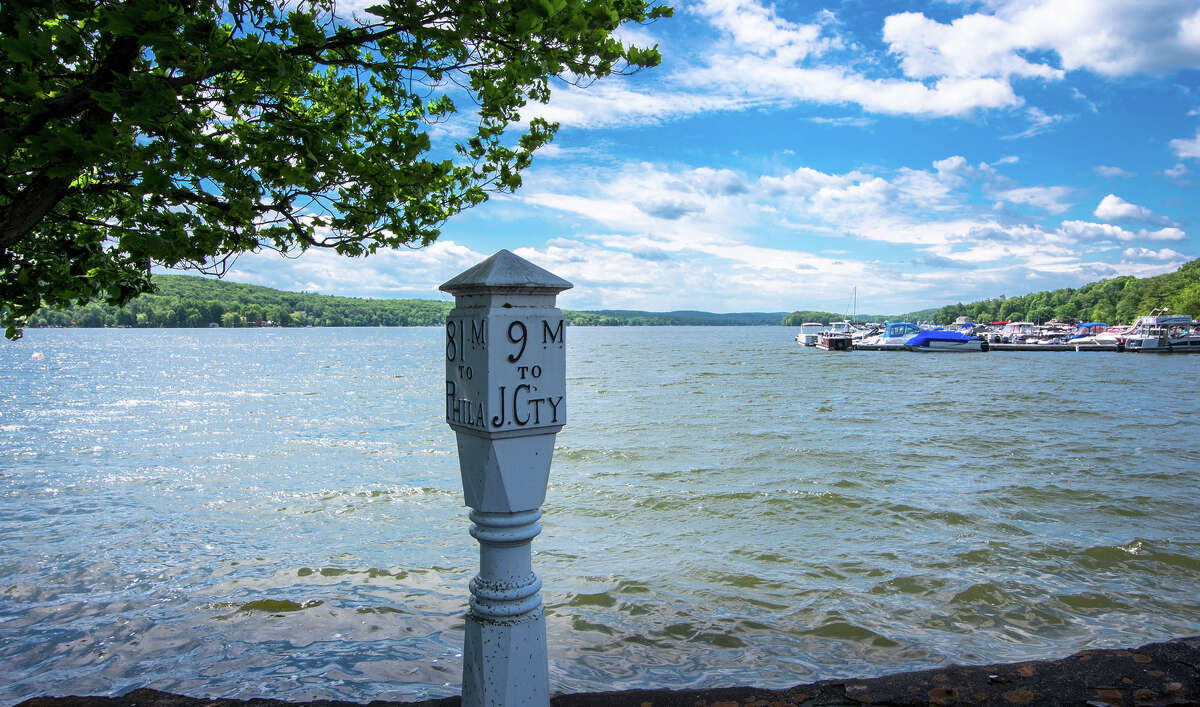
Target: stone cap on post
[{"x": 505, "y": 273}]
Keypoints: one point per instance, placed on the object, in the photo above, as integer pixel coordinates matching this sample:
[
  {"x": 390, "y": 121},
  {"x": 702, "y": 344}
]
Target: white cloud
[
  {"x": 1049, "y": 199},
  {"x": 612, "y": 104},
  {"x": 1114, "y": 208},
  {"x": 762, "y": 59},
  {"x": 1163, "y": 234},
  {"x": 1039, "y": 122},
  {"x": 971, "y": 46},
  {"x": 843, "y": 121},
  {"x": 402, "y": 273},
  {"x": 1108, "y": 37},
  {"x": 753, "y": 26},
  {"x": 1111, "y": 172},
  {"x": 783, "y": 83},
  {"x": 1086, "y": 231},
  {"x": 1185, "y": 149},
  {"x": 1177, "y": 172},
  {"x": 1164, "y": 255}
]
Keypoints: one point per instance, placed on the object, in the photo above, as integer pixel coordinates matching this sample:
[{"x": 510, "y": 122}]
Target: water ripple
[{"x": 196, "y": 511}]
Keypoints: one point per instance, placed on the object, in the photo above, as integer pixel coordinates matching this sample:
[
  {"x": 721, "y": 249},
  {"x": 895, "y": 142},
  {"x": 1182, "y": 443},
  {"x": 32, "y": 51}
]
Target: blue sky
[{"x": 786, "y": 155}]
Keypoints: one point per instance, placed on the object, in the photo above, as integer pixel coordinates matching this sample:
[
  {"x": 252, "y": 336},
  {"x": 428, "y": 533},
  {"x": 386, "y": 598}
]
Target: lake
[{"x": 278, "y": 513}]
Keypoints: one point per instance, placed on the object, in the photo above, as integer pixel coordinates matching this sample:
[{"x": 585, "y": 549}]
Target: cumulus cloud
[
  {"x": 1046, "y": 38},
  {"x": 971, "y": 46},
  {"x": 386, "y": 274},
  {"x": 693, "y": 237},
  {"x": 1163, "y": 255},
  {"x": 761, "y": 58},
  {"x": 1087, "y": 231},
  {"x": 1185, "y": 149},
  {"x": 1114, "y": 208},
  {"x": 1176, "y": 172},
  {"x": 1163, "y": 234}
]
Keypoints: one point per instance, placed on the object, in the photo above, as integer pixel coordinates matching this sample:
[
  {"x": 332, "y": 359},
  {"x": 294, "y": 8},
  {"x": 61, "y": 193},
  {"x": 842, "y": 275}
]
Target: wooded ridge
[{"x": 191, "y": 301}]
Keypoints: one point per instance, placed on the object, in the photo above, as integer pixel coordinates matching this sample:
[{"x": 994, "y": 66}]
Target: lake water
[{"x": 278, "y": 513}]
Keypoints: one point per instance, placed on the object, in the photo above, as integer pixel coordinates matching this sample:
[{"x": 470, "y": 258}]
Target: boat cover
[{"x": 938, "y": 335}]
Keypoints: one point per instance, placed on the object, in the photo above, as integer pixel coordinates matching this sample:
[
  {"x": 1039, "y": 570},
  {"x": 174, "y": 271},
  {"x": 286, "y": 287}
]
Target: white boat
[
  {"x": 1020, "y": 333},
  {"x": 1095, "y": 334},
  {"x": 894, "y": 334},
  {"x": 1162, "y": 333},
  {"x": 808, "y": 333},
  {"x": 937, "y": 340}
]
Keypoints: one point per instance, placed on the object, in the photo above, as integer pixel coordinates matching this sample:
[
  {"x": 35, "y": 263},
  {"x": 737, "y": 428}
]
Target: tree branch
[{"x": 31, "y": 204}]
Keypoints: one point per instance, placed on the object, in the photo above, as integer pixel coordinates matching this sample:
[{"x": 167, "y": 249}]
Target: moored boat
[
  {"x": 1162, "y": 333},
  {"x": 835, "y": 341},
  {"x": 808, "y": 333},
  {"x": 1095, "y": 334},
  {"x": 894, "y": 334},
  {"x": 937, "y": 340},
  {"x": 1019, "y": 333}
]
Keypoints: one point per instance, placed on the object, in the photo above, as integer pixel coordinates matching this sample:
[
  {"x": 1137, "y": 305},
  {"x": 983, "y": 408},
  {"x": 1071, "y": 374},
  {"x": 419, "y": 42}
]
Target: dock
[
  {"x": 1053, "y": 347},
  {"x": 1002, "y": 347}
]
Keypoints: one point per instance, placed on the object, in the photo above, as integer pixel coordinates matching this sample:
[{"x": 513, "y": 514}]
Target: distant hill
[
  {"x": 800, "y": 317},
  {"x": 629, "y": 317},
  {"x": 192, "y": 301}
]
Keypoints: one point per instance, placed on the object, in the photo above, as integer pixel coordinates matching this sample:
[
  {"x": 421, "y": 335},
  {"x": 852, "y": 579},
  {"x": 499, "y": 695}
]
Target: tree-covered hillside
[
  {"x": 801, "y": 316},
  {"x": 190, "y": 301},
  {"x": 626, "y": 317},
  {"x": 1116, "y": 301}
]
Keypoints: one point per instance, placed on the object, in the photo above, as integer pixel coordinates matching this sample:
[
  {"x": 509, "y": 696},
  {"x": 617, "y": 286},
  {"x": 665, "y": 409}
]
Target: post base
[{"x": 505, "y": 661}]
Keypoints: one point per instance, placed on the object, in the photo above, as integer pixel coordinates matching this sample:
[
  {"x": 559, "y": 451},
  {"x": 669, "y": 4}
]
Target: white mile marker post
[{"x": 505, "y": 400}]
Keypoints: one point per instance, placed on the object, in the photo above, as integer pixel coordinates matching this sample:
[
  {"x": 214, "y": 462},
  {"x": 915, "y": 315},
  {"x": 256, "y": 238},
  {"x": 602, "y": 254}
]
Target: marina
[{"x": 1158, "y": 332}]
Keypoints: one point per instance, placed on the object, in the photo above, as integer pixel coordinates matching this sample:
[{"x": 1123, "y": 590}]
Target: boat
[
  {"x": 938, "y": 340},
  {"x": 808, "y": 333},
  {"x": 1019, "y": 333},
  {"x": 894, "y": 334},
  {"x": 835, "y": 341},
  {"x": 846, "y": 327},
  {"x": 1085, "y": 330},
  {"x": 1162, "y": 333},
  {"x": 1095, "y": 334}
]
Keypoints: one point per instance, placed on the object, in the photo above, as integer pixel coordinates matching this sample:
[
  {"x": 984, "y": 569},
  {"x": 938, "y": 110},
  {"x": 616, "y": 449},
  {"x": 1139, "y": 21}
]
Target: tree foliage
[
  {"x": 633, "y": 317},
  {"x": 184, "y": 132},
  {"x": 189, "y": 301},
  {"x": 1116, "y": 301},
  {"x": 807, "y": 315}
]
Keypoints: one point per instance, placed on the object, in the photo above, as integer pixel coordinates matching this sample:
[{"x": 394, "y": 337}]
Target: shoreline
[{"x": 1165, "y": 673}]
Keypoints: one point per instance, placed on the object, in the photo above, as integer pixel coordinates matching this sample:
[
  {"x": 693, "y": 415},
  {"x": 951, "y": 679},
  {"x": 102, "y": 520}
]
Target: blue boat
[
  {"x": 938, "y": 340},
  {"x": 894, "y": 334}
]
